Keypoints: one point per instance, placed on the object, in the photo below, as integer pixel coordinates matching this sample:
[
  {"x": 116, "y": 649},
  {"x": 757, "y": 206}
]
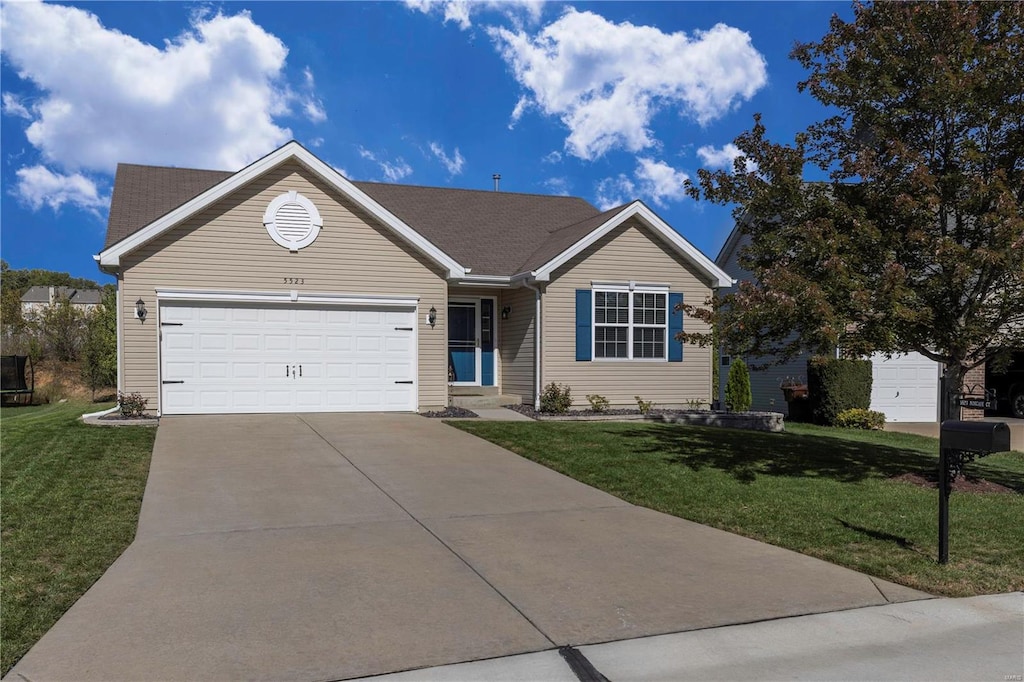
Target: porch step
[
  {"x": 484, "y": 401},
  {"x": 473, "y": 390}
]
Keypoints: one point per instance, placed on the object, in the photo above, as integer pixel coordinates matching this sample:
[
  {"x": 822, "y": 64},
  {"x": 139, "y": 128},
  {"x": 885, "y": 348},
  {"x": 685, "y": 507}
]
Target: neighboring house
[
  {"x": 905, "y": 388},
  {"x": 38, "y": 298},
  {"x": 286, "y": 287}
]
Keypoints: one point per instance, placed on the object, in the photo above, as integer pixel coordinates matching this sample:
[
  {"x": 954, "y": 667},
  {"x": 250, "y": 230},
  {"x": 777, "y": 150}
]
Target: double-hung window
[{"x": 630, "y": 325}]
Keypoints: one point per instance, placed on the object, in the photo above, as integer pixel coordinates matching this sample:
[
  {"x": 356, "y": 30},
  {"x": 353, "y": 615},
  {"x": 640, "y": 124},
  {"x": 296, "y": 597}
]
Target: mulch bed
[
  {"x": 532, "y": 413},
  {"x": 961, "y": 485},
  {"x": 449, "y": 413}
]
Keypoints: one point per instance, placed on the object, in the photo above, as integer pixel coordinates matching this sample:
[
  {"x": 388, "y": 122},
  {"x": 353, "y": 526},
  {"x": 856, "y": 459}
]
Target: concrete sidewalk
[
  {"x": 980, "y": 638},
  {"x": 335, "y": 546}
]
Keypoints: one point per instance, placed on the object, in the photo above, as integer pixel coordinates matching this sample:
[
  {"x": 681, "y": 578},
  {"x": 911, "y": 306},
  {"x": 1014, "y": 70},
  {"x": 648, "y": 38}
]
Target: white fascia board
[
  {"x": 292, "y": 297},
  {"x": 637, "y": 209},
  {"x": 293, "y": 150},
  {"x": 484, "y": 281}
]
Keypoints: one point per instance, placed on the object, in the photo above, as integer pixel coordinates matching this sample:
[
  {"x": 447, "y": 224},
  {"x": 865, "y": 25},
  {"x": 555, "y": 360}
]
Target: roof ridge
[
  {"x": 615, "y": 209},
  {"x": 181, "y": 168},
  {"x": 467, "y": 189}
]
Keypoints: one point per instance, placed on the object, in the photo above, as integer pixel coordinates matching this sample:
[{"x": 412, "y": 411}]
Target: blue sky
[{"x": 608, "y": 101}]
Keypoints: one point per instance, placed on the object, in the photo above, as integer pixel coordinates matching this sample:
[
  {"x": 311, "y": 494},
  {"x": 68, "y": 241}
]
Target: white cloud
[
  {"x": 723, "y": 158},
  {"x": 612, "y": 192},
  {"x": 452, "y": 163},
  {"x": 393, "y": 170},
  {"x": 553, "y": 157},
  {"x": 38, "y": 186},
  {"x": 559, "y": 186},
  {"x": 460, "y": 11},
  {"x": 317, "y": 142},
  {"x": 659, "y": 181},
  {"x": 13, "y": 106},
  {"x": 207, "y": 98},
  {"x": 606, "y": 81}
]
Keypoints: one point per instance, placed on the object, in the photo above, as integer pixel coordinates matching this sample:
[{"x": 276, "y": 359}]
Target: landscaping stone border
[{"x": 752, "y": 421}]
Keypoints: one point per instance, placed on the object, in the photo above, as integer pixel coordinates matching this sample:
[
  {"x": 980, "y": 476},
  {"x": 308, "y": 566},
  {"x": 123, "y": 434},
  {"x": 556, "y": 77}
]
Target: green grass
[
  {"x": 70, "y": 496},
  {"x": 820, "y": 491}
]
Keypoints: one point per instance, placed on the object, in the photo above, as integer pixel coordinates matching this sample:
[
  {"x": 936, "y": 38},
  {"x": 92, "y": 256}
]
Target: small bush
[
  {"x": 857, "y": 418},
  {"x": 696, "y": 403},
  {"x": 835, "y": 385},
  {"x": 556, "y": 398},
  {"x": 644, "y": 405},
  {"x": 598, "y": 403},
  {"x": 737, "y": 387},
  {"x": 131, "y": 404}
]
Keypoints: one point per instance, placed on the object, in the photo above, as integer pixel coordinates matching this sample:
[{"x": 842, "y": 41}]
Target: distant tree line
[{"x": 61, "y": 332}]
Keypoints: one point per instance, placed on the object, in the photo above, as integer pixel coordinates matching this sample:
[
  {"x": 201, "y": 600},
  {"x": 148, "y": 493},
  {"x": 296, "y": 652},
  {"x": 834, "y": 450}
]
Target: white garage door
[
  {"x": 236, "y": 358},
  {"x": 905, "y": 387}
]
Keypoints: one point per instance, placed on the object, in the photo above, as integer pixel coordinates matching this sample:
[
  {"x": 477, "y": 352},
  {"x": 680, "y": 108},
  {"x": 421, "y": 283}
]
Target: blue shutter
[
  {"x": 584, "y": 330},
  {"x": 675, "y": 326}
]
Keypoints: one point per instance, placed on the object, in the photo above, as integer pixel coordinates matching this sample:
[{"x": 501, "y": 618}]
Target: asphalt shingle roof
[
  {"x": 493, "y": 233},
  {"x": 41, "y": 294}
]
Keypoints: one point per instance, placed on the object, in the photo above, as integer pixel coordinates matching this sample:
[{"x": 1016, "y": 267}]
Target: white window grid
[{"x": 631, "y": 326}]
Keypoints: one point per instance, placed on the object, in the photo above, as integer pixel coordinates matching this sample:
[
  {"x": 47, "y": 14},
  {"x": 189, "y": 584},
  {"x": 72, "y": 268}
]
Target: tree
[
  {"x": 61, "y": 328},
  {"x": 916, "y": 240},
  {"x": 737, "y": 387},
  {"x": 99, "y": 352}
]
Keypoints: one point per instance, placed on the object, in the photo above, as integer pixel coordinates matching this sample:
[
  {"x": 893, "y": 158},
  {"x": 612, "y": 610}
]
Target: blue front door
[{"x": 462, "y": 342}]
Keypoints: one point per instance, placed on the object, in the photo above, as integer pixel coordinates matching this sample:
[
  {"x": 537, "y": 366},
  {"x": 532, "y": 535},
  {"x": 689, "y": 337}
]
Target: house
[
  {"x": 37, "y": 298},
  {"x": 286, "y": 287},
  {"x": 905, "y": 387}
]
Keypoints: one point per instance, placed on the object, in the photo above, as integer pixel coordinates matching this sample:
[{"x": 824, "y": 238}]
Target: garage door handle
[
  {"x": 172, "y": 324},
  {"x": 403, "y": 329},
  {"x": 179, "y": 381},
  {"x": 404, "y": 382}
]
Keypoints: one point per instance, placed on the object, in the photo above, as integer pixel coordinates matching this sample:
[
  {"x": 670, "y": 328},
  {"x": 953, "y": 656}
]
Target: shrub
[
  {"x": 737, "y": 387},
  {"x": 644, "y": 405},
  {"x": 598, "y": 403},
  {"x": 856, "y": 418},
  {"x": 556, "y": 398},
  {"x": 131, "y": 404},
  {"x": 696, "y": 403},
  {"x": 835, "y": 385}
]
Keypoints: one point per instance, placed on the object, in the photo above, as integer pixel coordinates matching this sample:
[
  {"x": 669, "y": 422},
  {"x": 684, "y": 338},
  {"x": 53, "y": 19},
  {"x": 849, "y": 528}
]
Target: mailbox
[{"x": 975, "y": 436}]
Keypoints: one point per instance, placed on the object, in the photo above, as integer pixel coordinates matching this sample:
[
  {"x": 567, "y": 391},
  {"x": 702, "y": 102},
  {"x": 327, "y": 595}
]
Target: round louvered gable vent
[{"x": 292, "y": 221}]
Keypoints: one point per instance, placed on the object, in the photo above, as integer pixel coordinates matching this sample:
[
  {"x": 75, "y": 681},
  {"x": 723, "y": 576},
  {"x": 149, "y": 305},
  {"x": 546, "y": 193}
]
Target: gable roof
[{"x": 501, "y": 234}]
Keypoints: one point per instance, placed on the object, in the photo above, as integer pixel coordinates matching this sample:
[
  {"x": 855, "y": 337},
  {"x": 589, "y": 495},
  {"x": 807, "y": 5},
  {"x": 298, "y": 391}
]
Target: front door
[{"x": 471, "y": 342}]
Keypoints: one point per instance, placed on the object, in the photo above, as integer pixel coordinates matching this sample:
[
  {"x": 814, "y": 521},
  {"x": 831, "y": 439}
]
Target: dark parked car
[{"x": 1008, "y": 387}]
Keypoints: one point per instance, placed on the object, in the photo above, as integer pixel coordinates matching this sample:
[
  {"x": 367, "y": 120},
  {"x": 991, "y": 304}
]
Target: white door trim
[{"x": 298, "y": 297}]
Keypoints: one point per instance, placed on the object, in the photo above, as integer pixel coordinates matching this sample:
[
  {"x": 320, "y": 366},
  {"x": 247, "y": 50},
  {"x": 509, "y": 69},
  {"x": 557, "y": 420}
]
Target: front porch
[{"x": 490, "y": 346}]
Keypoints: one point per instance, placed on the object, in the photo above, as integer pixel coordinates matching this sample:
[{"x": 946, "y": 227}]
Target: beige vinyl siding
[
  {"x": 517, "y": 341},
  {"x": 630, "y": 252},
  {"x": 226, "y": 247}
]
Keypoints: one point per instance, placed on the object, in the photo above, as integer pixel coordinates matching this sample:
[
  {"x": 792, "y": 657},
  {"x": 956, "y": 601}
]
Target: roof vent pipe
[{"x": 497, "y": 180}]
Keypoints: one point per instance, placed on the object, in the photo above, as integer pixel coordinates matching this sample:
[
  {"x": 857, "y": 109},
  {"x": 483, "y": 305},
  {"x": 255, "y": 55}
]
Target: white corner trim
[
  {"x": 292, "y": 297},
  {"x": 637, "y": 209},
  {"x": 111, "y": 257}
]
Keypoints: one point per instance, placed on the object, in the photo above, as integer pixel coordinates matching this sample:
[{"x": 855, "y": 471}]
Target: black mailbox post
[{"x": 959, "y": 443}]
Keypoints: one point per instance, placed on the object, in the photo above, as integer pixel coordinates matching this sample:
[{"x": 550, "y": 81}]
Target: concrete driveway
[{"x": 316, "y": 547}]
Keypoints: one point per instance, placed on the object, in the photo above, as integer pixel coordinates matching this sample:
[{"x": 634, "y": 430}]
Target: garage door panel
[
  {"x": 905, "y": 387},
  {"x": 239, "y": 358}
]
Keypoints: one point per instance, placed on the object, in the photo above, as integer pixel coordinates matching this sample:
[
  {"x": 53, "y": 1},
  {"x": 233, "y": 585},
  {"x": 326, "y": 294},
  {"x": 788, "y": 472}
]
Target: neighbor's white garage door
[
  {"x": 905, "y": 387},
  {"x": 224, "y": 358}
]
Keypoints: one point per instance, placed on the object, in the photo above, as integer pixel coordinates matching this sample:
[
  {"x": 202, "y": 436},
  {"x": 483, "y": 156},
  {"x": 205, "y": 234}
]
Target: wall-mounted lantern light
[
  {"x": 432, "y": 316},
  {"x": 505, "y": 312},
  {"x": 140, "y": 310}
]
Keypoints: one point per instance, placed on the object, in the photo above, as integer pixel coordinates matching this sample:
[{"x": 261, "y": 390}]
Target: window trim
[{"x": 630, "y": 289}]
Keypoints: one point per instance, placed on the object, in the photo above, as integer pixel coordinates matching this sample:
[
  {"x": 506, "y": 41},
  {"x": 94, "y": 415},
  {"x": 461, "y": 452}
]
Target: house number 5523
[{"x": 294, "y": 280}]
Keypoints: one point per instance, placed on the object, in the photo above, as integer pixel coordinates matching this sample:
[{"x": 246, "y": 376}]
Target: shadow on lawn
[{"x": 745, "y": 454}]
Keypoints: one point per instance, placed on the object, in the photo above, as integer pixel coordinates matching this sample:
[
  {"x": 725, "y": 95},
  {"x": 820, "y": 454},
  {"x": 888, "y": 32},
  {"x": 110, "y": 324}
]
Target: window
[{"x": 630, "y": 325}]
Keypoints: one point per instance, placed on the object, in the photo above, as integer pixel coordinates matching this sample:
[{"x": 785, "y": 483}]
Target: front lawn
[
  {"x": 824, "y": 492},
  {"x": 71, "y": 495}
]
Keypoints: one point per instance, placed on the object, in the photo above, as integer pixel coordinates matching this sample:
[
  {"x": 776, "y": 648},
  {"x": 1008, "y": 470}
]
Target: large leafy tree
[{"x": 915, "y": 242}]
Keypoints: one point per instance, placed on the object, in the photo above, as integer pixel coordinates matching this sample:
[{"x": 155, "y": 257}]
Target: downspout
[{"x": 536, "y": 345}]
